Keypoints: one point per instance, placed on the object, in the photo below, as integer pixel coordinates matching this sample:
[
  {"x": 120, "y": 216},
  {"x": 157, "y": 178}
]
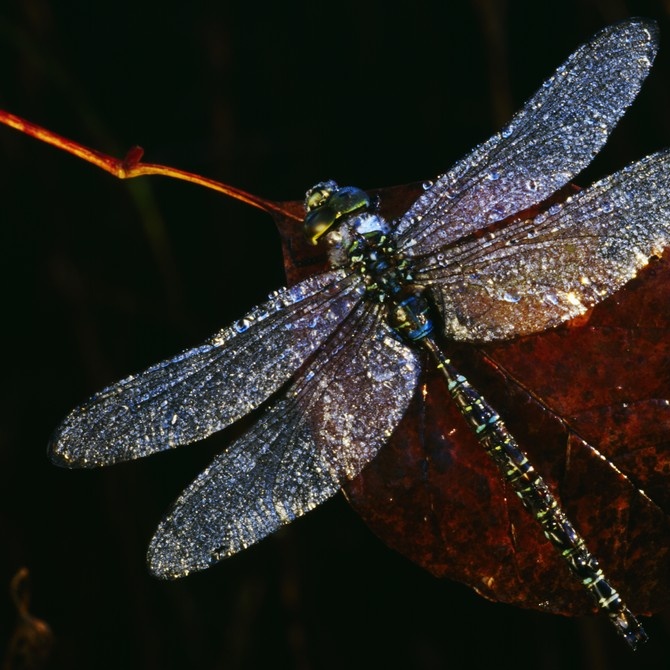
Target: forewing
[
  {"x": 554, "y": 136},
  {"x": 202, "y": 390},
  {"x": 330, "y": 422},
  {"x": 534, "y": 274}
]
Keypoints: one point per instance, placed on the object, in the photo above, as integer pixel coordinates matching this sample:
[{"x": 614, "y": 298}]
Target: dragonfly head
[{"x": 326, "y": 203}]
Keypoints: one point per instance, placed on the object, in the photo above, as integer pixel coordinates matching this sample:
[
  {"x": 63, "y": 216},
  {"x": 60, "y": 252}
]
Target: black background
[{"x": 101, "y": 278}]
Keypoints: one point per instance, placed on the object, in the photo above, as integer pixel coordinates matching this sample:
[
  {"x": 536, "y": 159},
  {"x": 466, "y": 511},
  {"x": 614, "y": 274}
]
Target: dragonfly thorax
[
  {"x": 364, "y": 243},
  {"x": 361, "y": 240}
]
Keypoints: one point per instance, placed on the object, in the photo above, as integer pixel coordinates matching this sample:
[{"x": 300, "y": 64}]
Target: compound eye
[
  {"x": 348, "y": 199},
  {"x": 318, "y": 222},
  {"x": 319, "y": 194},
  {"x": 325, "y": 203}
]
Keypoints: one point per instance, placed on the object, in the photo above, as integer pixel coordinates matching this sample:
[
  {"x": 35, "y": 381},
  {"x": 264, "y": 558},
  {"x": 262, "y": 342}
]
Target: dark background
[{"x": 101, "y": 278}]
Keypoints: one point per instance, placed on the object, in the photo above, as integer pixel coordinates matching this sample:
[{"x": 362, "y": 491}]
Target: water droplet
[
  {"x": 511, "y": 296},
  {"x": 551, "y": 298},
  {"x": 242, "y": 325},
  {"x": 496, "y": 213},
  {"x": 380, "y": 374},
  {"x": 494, "y": 175},
  {"x": 427, "y": 184}
]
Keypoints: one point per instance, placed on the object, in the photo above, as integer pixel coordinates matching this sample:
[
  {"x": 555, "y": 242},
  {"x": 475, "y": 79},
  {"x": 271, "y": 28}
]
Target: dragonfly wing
[
  {"x": 534, "y": 274},
  {"x": 554, "y": 136},
  {"x": 337, "y": 413},
  {"x": 202, "y": 390}
]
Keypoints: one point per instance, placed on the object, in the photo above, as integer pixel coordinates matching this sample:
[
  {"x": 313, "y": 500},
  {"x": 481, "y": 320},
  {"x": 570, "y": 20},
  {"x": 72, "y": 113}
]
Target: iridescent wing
[
  {"x": 202, "y": 390},
  {"x": 556, "y": 134},
  {"x": 534, "y": 274},
  {"x": 331, "y": 421}
]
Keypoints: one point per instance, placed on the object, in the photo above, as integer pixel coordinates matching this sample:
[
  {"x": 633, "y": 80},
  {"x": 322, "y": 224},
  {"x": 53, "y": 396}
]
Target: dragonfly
[{"x": 330, "y": 365}]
